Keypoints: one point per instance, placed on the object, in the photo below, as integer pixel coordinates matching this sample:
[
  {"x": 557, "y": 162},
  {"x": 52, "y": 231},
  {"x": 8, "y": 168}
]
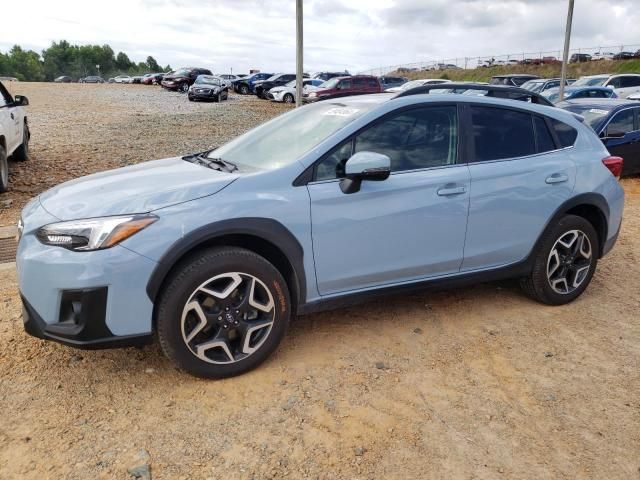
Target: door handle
[
  {"x": 557, "y": 178},
  {"x": 444, "y": 191}
]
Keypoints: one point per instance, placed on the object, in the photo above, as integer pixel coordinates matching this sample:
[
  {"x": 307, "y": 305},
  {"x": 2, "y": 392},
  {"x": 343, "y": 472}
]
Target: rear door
[
  {"x": 520, "y": 175},
  {"x": 628, "y": 146}
]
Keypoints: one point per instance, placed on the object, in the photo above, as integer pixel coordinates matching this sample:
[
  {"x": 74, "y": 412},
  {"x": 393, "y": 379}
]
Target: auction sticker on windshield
[{"x": 341, "y": 111}]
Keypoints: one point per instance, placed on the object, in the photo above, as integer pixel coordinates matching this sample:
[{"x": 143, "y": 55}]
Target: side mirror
[
  {"x": 364, "y": 166},
  {"x": 21, "y": 101}
]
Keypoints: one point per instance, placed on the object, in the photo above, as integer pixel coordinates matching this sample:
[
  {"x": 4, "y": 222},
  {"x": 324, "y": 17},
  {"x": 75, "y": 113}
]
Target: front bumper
[
  {"x": 208, "y": 94},
  {"x": 84, "y": 299}
]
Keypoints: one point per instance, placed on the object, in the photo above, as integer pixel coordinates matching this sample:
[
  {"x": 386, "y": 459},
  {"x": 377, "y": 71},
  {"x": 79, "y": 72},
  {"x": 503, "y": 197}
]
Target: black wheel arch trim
[{"x": 268, "y": 230}]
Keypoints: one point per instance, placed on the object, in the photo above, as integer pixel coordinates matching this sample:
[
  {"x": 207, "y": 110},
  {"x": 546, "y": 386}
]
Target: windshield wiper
[{"x": 213, "y": 163}]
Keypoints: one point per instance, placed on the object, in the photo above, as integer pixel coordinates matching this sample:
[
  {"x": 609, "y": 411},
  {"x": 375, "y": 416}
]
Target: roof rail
[{"x": 497, "y": 91}]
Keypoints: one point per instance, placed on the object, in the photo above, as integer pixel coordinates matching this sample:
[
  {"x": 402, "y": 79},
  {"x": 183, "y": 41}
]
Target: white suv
[
  {"x": 624, "y": 84},
  {"x": 14, "y": 132}
]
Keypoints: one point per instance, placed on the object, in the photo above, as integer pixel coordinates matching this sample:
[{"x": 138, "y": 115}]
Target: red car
[{"x": 344, "y": 87}]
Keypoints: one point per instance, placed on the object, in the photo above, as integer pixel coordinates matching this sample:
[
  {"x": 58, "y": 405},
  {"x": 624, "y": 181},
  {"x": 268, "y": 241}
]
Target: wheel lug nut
[
  {"x": 225, "y": 325},
  {"x": 227, "y": 309},
  {"x": 219, "y": 318}
]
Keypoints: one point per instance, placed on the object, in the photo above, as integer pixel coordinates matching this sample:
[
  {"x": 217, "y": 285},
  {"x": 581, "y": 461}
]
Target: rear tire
[
  {"x": 4, "y": 170},
  {"x": 565, "y": 262},
  {"x": 22, "y": 152},
  {"x": 223, "y": 312}
]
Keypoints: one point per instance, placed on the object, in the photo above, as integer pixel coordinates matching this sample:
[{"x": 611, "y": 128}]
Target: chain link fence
[{"x": 531, "y": 58}]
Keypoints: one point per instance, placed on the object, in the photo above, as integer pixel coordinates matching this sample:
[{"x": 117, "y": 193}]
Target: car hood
[
  {"x": 139, "y": 188},
  {"x": 174, "y": 77}
]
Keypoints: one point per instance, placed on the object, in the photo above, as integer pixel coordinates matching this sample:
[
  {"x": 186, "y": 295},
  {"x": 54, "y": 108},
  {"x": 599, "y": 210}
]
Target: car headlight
[
  {"x": 93, "y": 233},
  {"x": 313, "y": 94}
]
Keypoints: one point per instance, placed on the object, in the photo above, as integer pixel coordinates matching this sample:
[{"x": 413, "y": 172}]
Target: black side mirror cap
[{"x": 21, "y": 101}]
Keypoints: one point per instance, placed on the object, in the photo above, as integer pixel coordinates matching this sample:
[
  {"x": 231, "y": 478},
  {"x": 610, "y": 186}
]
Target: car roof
[{"x": 516, "y": 75}]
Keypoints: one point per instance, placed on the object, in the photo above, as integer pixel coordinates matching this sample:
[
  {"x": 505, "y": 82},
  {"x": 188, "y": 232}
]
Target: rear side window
[
  {"x": 544, "y": 140},
  {"x": 566, "y": 134},
  {"x": 358, "y": 83},
  {"x": 630, "y": 82},
  {"x": 500, "y": 133},
  {"x": 373, "y": 82}
]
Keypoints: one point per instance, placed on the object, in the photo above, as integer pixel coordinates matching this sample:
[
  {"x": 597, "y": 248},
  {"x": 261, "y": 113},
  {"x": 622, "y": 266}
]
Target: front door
[
  {"x": 626, "y": 121},
  {"x": 408, "y": 227}
]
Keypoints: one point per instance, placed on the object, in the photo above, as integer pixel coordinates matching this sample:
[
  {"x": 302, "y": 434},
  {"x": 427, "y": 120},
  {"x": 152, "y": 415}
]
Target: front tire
[
  {"x": 565, "y": 262},
  {"x": 184, "y": 88},
  {"x": 244, "y": 89},
  {"x": 288, "y": 98},
  {"x": 21, "y": 154},
  {"x": 223, "y": 312}
]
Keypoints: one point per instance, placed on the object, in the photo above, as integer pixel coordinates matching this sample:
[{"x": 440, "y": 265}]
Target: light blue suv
[{"x": 325, "y": 205}]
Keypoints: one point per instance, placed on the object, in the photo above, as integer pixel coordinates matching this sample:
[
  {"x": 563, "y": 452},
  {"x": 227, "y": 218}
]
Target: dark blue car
[
  {"x": 246, "y": 85},
  {"x": 617, "y": 122}
]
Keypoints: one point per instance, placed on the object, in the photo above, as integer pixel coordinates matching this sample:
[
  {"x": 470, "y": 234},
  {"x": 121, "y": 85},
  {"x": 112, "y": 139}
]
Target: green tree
[
  {"x": 25, "y": 65},
  {"x": 122, "y": 62},
  {"x": 152, "y": 64}
]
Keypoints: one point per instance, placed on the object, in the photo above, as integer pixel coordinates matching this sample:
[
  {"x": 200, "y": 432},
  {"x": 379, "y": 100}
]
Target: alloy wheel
[
  {"x": 569, "y": 262},
  {"x": 227, "y": 318}
]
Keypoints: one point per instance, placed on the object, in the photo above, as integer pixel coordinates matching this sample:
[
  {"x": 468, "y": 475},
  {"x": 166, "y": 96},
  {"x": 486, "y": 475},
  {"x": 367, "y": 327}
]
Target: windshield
[
  {"x": 182, "y": 73},
  {"x": 208, "y": 80},
  {"x": 286, "y": 138},
  {"x": 593, "y": 116},
  {"x": 590, "y": 82},
  {"x": 533, "y": 86},
  {"x": 330, "y": 83},
  {"x": 291, "y": 84},
  {"x": 273, "y": 77},
  {"x": 412, "y": 84}
]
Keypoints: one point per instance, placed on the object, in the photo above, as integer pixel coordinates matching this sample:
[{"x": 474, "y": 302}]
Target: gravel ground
[{"x": 475, "y": 383}]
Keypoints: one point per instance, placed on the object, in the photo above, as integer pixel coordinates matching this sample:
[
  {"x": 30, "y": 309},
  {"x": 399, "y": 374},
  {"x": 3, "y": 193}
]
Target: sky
[{"x": 356, "y": 35}]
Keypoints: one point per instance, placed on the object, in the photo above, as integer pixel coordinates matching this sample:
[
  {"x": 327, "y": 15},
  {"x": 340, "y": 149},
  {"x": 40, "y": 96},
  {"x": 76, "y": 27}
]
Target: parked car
[
  {"x": 579, "y": 58},
  {"x": 345, "y": 86},
  {"x": 63, "y": 79},
  {"x": 550, "y": 61},
  {"x": 246, "y": 85},
  {"x": 92, "y": 79},
  {"x": 137, "y": 78},
  {"x": 624, "y": 84},
  {"x": 287, "y": 93},
  {"x": 14, "y": 132},
  {"x": 329, "y": 75},
  {"x": 513, "y": 79},
  {"x": 617, "y": 123},
  {"x": 183, "y": 78},
  {"x": 153, "y": 78},
  {"x": 602, "y": 56},
  {"x": 417, "y": 83},
  {"x": 208, "y": 87},
  {"x": 262, "y": 87},
  {"x": 322, "y": 206},
  {"x": 635, "y": 96},
  {"x": 624, "y": 56},
  {"x": 540, "y": 85},
  {"x": 120, "y": 79},
  {"x": 228, "y": 79},
  {"x": 572, "y": 92},
  {"x": 390, "y": 82}
]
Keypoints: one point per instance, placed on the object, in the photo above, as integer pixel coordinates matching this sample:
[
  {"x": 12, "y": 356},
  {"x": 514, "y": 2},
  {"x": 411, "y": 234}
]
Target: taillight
[{"x": 614, "y": 164}]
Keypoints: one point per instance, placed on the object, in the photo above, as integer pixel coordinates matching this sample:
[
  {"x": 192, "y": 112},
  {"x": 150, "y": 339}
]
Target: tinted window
[
  {"x": 566, "y": 134},
  {"x": 358, "y": 82},
  {"x": 543, "y": 137},
  {"x": 373, "y": 82},
  {"x": 621, "y": 122},
  {"x": 345, "y": 84},
  {"x": 419, "y": 138},
  {"x": 630, "y": 81},
  {"x": 500, "y": 133}
]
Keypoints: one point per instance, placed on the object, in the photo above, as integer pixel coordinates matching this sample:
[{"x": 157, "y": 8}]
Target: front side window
[
  {"x": 499, "y": 134},
  {"x": 630, "y": 81},
  {"x": 621, "y": 122},
  {"x": 423, "y": 137},
  {"x": 345, "y": 84}
]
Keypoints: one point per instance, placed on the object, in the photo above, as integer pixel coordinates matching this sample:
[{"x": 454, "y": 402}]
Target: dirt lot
[{"x": 477, "y": 383}]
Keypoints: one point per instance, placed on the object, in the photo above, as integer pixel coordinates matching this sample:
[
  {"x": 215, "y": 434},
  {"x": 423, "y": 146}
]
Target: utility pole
[
  {"x": 299, "y": 67},
  {"x": 565, "y": 58}
]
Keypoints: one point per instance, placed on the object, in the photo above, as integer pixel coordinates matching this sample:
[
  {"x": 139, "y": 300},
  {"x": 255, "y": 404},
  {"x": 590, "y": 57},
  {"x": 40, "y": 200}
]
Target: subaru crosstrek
[{"x": 328, "y": 204}]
